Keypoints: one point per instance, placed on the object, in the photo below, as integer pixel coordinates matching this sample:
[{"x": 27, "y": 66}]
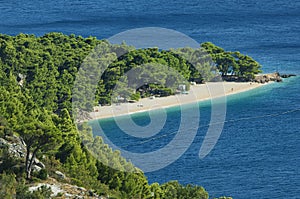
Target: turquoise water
[
  {"x": 256, "y": 157},
  {"x": 257, "y": 154}
]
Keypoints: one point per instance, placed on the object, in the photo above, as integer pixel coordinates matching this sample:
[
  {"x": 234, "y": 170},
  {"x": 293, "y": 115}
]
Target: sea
[{"x": 258, "y": 152}]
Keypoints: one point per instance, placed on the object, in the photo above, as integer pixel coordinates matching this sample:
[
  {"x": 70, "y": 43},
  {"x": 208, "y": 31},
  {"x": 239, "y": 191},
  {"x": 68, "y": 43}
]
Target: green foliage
[
  {"x": 42, "y": 174},
  {"x": 4, "y": 128},
  {"x": 202, "y": 68},
  {"x": 175, "y": 190},
  {"x": 136, "y": 96},
  {"x": 7, "y": 186},
  {"x": 42, "y": 192},
  {"x": 10, "y": 188},
  {"x": 40, "y": 135},
  {"x": 155, "y": 191},
  {"x": 9, "y": 163},
  {"x": 232, "y": 63},
  {"x": 45, "y": 65},
  {"x": 146, "y": 66}
]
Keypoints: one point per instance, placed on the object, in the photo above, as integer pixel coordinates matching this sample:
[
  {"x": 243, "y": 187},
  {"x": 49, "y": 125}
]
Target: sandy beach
[{"x": 196, "y": 93}]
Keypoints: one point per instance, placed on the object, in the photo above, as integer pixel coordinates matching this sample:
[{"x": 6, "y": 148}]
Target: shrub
[
  {"x": 42, "y": 174},
  {"x": 8, "y": 184}
]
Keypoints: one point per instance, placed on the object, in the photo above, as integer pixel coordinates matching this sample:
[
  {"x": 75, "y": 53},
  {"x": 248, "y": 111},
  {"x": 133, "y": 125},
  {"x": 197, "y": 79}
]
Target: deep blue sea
[{"x": 257, "y": 157}]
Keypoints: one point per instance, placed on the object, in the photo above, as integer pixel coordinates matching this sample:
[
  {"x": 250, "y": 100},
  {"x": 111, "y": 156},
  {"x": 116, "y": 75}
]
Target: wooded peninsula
[{"x": 39, "y": 142}]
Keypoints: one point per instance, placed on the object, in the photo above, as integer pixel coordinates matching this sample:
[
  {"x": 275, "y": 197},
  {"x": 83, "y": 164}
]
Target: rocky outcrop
[
  {"x": 39, "y": 163},
  {"x": 64, "y": 190},
  {"x": 265, "y": 78},
  {"x": 15, "y": 146},
  {"x": 261, "y": 78},
  {"x": 17, "y": 149},
  {"x": 60, "y": 175},
  {"x": 287, "y": 75}
]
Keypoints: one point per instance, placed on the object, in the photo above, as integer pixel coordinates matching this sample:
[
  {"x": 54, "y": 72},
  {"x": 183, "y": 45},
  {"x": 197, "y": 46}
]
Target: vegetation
[
  {"x": 10, "y": 188},
  {"x": 232, "y": 63},
  {"x": 37, "y": 75}
]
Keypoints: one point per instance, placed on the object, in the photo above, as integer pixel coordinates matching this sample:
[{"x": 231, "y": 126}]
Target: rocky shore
[{"x": 276, "y": 77}]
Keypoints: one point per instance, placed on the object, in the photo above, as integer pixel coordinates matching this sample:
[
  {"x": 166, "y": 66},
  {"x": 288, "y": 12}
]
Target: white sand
[{"x": 196, "y": 93}]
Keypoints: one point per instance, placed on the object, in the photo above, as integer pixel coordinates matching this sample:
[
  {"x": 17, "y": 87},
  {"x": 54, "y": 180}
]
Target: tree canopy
[{"x": 232, "y": 63}]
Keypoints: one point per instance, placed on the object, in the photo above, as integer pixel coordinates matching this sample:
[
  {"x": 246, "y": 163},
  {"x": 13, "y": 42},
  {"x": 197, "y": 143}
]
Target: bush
[
  {"x": 76, "y": 182},
  {"x": 43, "y": 192},
  {"x": 8, "y": 184},
  {"x": 9, "y": 163},
  {"x": 136, "y": 96},
  {"x": 42, "y": 174}
]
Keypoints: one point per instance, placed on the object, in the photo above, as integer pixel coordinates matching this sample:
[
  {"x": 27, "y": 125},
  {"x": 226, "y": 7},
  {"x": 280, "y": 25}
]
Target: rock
[
  {"x": 17, "y": 149},
  {"x": 67, "y": 195},
  {"x": 55, "y": 188},
  {"x": 39, "y": 163},
  {"x": 80, "y": 189},
  {"x": 287, "y": 75},
  {"x": 60, "y": 175},
  {"x": 3, "y": 143},
  {"x": 15, "y": 146},
  {"x": 267, "y": 77},
  {"x": 36, "y": 168}
]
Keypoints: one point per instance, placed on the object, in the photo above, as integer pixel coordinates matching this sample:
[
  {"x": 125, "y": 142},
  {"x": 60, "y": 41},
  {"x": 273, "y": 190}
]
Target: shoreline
[{"x": 197, "y": 93}]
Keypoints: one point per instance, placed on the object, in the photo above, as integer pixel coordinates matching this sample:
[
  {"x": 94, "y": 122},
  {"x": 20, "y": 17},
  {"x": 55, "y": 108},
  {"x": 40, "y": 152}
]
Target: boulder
[
  {"x": 36, "y": 168},
  {"x": 39, "y": 163},
  {"x": 55, "y": 188},
  {"x": 15, "y": 146},
  {"x": 287, "y": 75},
  {"x": 278, "y": 79},
  {"x": 268, "y": 77},
  {"x": 60, "y": 175},
  {"x": 81, "y": 189},
  {"x": 17, "y": 149}
]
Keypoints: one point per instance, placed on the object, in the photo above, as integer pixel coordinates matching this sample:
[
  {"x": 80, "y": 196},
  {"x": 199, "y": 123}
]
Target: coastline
[{"x": 197, "y": 93}]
